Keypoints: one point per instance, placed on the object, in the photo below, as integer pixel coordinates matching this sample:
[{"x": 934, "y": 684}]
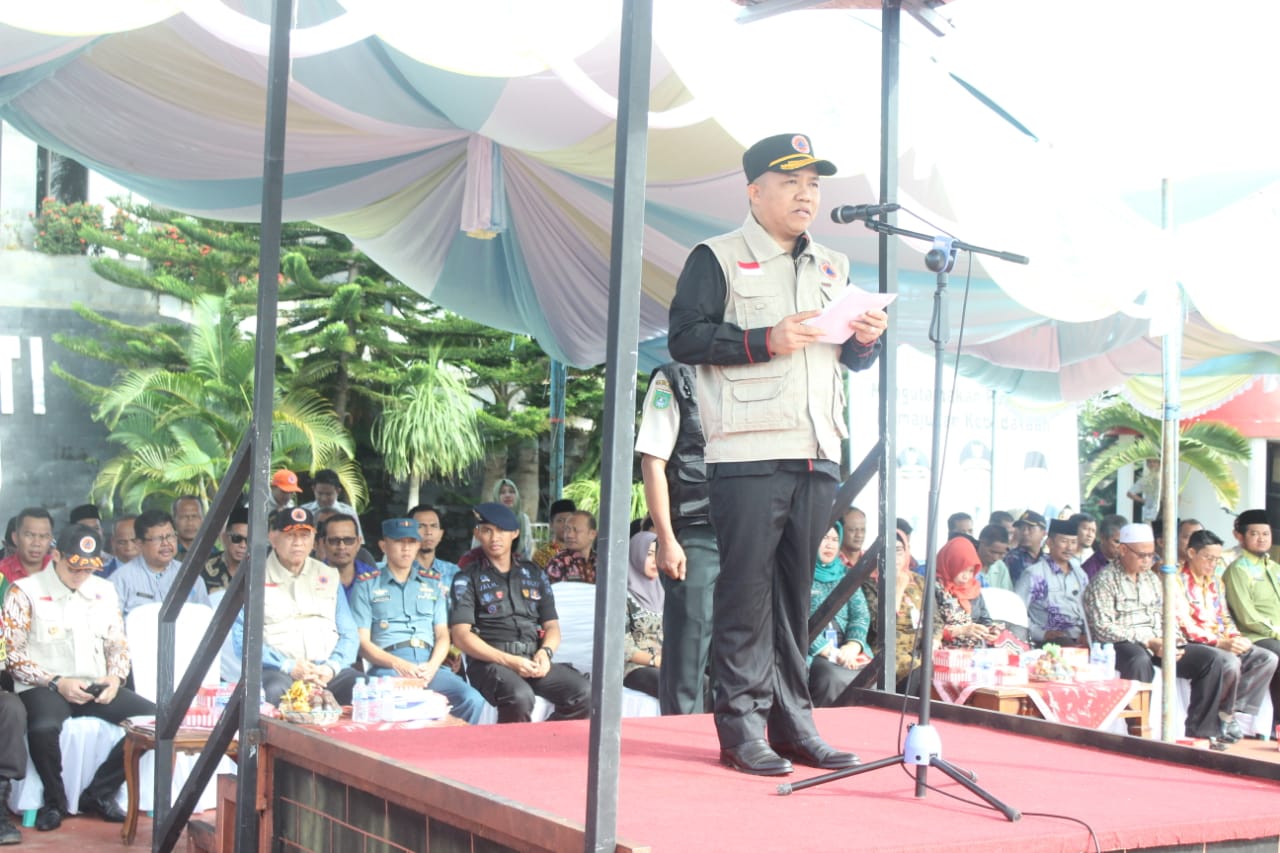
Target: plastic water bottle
[
  {"x": 360, "y": 702},
  {"x": 1109, "y": 658},
  {"x": 833, "y": 637}
]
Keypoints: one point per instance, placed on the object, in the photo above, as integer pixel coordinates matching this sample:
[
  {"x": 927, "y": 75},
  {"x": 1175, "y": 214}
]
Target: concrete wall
[{"x": 50, "y": 447}]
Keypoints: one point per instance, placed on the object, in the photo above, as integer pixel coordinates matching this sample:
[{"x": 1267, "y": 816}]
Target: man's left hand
[
  {"x": 869, "y": 326},
  {"x": 109, "y": 693},
  {"x": 426, "y": 671}
]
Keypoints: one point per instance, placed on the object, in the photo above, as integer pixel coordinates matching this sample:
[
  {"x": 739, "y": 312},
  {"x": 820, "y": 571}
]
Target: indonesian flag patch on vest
[{"x": 750, "y": 268}]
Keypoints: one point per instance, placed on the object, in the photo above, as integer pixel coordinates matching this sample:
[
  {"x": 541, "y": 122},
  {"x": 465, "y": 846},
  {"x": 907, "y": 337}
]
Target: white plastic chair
[
  {"x": 85, "y": 742},
  {"x": 142, "y": 627}
]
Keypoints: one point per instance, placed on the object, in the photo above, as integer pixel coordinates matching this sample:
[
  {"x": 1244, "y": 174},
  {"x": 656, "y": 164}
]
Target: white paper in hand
[{"x": 852, "y": 303}]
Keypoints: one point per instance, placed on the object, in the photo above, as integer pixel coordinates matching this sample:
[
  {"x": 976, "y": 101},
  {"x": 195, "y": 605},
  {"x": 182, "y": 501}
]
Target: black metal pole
[
  {"x": 264, "y": 379},
  {"x": 625, "y": 268}
]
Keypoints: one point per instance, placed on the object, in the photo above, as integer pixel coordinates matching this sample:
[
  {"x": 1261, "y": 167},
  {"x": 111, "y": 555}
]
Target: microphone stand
[{"x": 923, "y": 746}]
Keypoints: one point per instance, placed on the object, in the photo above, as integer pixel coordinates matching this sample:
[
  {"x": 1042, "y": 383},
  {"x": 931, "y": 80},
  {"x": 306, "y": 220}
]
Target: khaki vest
[
  {"x": 298, "y": 612},
  {"x": 69, "y": 628},
  {"x": 792, "y": 406}
]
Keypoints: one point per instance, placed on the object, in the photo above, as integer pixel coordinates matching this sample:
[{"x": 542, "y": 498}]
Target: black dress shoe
[
  {"x": 103, "y": 807},
  {"x": 816, "y": 752},
  {"x": 755, "y": 757},
  {"x": 1231, "y": 730},
  {"x": 49, "y": 818}
]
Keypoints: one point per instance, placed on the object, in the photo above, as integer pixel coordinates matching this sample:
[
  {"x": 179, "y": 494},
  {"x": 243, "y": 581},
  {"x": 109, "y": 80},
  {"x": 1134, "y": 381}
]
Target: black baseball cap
[
  {"x": 1030, "y": 517},
  {"x": 496, "y": 514},
  {"x": 293, "y": 518},
  {"x": 81, "y": 546},
  {"x": 785, "y": 152}
]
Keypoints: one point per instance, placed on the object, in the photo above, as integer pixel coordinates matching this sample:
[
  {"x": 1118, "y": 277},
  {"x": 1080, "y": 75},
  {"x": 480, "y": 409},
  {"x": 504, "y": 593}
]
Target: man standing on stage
[
  {"x": 670, "y": 445},
  {"x": 772, "y": 405}
]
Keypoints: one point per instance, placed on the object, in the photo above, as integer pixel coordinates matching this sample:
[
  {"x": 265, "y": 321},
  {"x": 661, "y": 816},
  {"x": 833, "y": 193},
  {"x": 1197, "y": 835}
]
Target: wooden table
[
  {"x": 138, "y": 739},
  {"x": 1016, "y": 700}
]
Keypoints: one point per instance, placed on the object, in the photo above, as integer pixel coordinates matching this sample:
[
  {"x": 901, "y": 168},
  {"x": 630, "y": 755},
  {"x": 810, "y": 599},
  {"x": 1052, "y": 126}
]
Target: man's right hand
[
  {"x": 72, "y": 689},
  {"x": 671, "y": 559},
  {"x": 791, "y": 334}
]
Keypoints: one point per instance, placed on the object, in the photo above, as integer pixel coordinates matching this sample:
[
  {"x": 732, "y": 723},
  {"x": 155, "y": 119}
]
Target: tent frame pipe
[
  {"x": 625, "y": 269},
  {"x": 887, "y": 618}
]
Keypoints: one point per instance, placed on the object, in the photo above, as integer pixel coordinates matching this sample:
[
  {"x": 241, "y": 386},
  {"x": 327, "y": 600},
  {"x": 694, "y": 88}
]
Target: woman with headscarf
[
  {"x": 506, "y": 493},
  {"x": 965, "y": 622},
  {"x": 834, "y": 663},
  {"x": 645, "y": 597}
]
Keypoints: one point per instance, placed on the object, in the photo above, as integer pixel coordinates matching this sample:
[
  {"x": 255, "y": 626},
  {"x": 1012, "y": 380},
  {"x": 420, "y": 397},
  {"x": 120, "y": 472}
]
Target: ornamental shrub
[{"x": 61, "y": 228}]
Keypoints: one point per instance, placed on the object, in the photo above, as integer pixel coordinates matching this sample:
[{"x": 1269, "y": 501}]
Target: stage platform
[{"x": 523, "y": 787}]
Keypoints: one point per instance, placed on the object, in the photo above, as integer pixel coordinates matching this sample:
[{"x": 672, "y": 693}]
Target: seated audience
[
  {"x": 124, "y": 545},
  {"x": 148, "y": 577},
  {"x": 1108, "y": 544},
  {"x": 1203, "y": 617},
  {"x": 854, "y": 523},
  {"x": 965, "y": 623},
  {"x": 1086, "y": 533},
  {"x": 959, "y": 524},
  {"x": 431, "y": 530},
  {"x": 1003, "y": 519},
  {"x": 504, "y": 620},
  {"x": 340, "y": 534},
  {"x": 556, "y": 517},
  {"x": 993, "y": 544},
  {"x": 307, "y": 632},
  {"x": 188, "y": 515},
  {"x": 577, "y": 562},
  {"x": 403, "y": 623},
  {"x": 32, "y": 535},
  {"x": 88, "y": 515},
  {"x": 506, "y": 493},
  {"x": 284, "y": 486},
  {"x": 833, "y": 665},
  {"x": 327, "y": 489},
  {"x": 1124, "y": 605},
  {"x": 645, "y": 597},
  {"x": 1030, "y": 532},
  {"x": 221, "y": 568},
  {"x": 1186, "y": 527},
  {"x": 910, "y": 591},
  {"x": 1253, "y": 583},
  {"x": 1053, "y": 588},
  {"x": 69, "y": 657},
  {"x": 13, "y": 746}
]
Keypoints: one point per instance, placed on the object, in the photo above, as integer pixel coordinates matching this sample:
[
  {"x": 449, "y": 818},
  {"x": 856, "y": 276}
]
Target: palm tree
[
  {"x": 429, "y": 425},
  {"x": 1207, "y": 446},
  {"x": 180, "y": 427}
]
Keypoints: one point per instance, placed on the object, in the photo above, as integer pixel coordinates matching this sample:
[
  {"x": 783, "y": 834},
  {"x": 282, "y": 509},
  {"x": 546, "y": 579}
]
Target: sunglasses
[
  {"x": 341, "y": 540},
  {"x": 237, "y": 538}
]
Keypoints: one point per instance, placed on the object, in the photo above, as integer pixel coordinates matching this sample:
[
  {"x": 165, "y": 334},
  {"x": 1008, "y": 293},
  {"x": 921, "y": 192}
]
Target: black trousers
[
  {"x": 13, "y": 737},
  {"x": 768, "y": 527},
  {"x": 47, "y": 711},
  {"x": 513, "y": 695},
  {"x": 1213, "y": 682},
  {"x": 829, "y": 683},
  {"x": 645, "y": 679},
  {"x": 687, "y": 624},
  {"x": 276, "y": 683}
]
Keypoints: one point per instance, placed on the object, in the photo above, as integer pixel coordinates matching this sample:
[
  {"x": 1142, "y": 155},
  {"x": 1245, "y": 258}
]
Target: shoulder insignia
[{"x": 368, "y": 574}]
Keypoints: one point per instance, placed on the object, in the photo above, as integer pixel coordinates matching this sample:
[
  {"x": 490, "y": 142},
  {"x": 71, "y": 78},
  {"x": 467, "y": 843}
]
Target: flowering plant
[{"x": 60, "y": 228}]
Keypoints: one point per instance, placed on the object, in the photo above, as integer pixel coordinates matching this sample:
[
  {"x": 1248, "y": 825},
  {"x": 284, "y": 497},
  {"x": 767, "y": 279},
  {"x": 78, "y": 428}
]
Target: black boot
[{"x": 9, "y": 833}]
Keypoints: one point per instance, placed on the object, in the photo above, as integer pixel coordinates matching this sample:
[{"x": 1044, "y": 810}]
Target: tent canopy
[{"x": 468, "y": 148}]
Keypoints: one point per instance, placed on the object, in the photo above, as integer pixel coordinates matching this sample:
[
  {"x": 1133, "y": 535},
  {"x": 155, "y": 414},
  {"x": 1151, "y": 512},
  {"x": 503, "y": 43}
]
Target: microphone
[{"x": 857, "y": 212}]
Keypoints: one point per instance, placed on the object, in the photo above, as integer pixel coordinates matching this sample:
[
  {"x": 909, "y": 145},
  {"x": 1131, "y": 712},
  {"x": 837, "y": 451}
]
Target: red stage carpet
[{"x": 675, "y": 796}]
